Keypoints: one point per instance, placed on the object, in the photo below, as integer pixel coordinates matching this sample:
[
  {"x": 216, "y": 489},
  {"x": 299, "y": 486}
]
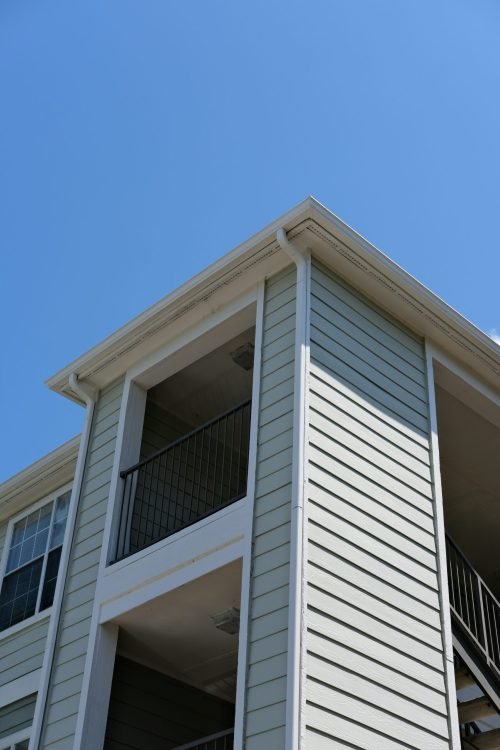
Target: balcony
[{"x": 188, "y": 480}]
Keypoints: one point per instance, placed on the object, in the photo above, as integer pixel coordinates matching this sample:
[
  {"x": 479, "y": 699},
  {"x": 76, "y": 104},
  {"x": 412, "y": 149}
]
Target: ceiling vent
[
  {"x": 228, "y": 620},
  {"x": 243, "y": 356}
]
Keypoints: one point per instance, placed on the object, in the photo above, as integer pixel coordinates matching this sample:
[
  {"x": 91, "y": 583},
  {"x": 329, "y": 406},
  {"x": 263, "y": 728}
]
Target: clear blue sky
[{"x": 140, "y": 140}]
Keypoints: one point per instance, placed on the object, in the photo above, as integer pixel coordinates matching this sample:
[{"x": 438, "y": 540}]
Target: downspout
[
  {"x": 88, "y": 394},
  {"x": 296, "y": 602}
]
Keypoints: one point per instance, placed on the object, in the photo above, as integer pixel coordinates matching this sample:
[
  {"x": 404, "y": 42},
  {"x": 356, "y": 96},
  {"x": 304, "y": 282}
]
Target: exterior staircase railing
[
  {"x": 474, "y": 605},
  {"x": 219, "y": 741},
  {"x": 184, "y": 482}
]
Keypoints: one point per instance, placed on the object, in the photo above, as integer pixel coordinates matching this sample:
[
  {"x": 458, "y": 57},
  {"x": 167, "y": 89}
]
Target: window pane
[
  {"x": 27, "y": 549},
  {"x": 40, "y": 544},
  {"x": 14, "y": 555},
  {"x": 60, "y": 515},
  {"x": 18, "y": 533},
  {"x": 29, "y": 538},
  {"x": 22, "y": 745},
  {"x": 19, "y": 594},
  {"x": 50, "y": 578}
]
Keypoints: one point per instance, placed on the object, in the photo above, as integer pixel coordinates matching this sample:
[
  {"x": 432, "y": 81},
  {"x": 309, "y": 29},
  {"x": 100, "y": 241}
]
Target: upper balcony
[{"x": 193, "y": 458}]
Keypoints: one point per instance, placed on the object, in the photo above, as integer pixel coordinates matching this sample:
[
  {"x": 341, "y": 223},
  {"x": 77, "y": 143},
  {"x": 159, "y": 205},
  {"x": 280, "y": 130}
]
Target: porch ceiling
[
  {"x": 207, "y": 387},
  {"x": 469, "y": 448},
  {"x": 175, "y": 634}
]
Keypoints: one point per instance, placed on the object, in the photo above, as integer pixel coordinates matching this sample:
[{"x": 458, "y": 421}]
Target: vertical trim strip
[
  {"x": 296, "y": 612},
  {"x": 92, "y": 708},
  {"x": 241, "y": 681},
  {"x": 54, "y": 623},
  {"x": 449, "y": 666}
]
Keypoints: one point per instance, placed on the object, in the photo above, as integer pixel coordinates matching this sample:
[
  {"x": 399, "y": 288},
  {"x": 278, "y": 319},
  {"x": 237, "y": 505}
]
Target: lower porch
[{"x": 175, "y": 672}]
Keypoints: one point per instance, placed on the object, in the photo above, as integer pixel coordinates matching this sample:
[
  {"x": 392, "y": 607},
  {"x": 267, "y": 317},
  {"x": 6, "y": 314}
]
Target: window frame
[
  {"x": 32, "y": 508},
  {"x": 10, "y": 742}
]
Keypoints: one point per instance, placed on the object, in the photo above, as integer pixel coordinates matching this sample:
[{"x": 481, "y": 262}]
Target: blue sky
[{"x": 139, "y": 141}]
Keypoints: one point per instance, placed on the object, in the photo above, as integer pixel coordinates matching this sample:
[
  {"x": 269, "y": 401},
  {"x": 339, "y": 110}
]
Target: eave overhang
[
  {"x": 314, "y": 227},
  {"x": 39, "y": 479}
]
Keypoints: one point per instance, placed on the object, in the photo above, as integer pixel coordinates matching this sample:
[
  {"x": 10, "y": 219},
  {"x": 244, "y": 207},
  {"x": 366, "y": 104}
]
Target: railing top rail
[
  {"x": 471, "y": 566},
  {"x": 183, "y": 438},
  {"x": 209, "y": 738}
]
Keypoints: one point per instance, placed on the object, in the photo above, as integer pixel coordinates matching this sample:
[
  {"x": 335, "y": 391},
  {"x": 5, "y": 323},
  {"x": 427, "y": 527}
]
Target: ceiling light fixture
[
  {"x": 243, "y": 356},
  {"x": 228, "y": 620}
]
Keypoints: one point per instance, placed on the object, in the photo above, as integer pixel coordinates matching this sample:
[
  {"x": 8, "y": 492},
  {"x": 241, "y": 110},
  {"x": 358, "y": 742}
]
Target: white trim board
[
  {"x": 7, "y": 742},
  {"x": 179, "y": 559},
  {"x": 239, "y": 719},
  {"x": 442, "y": 573}
]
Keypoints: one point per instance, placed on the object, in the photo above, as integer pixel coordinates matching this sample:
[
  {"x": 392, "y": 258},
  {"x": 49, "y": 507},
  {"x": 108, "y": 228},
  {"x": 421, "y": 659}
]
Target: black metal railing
[
  {"x": 187, "y": 480},
  {"x": 473, "y": 604},
  {"x": 219, "y": 741}
]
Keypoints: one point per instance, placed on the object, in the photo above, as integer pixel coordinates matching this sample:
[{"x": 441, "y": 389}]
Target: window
[
  {"x": 33, "y": 561},
  {"x": 21, "y": 745}
]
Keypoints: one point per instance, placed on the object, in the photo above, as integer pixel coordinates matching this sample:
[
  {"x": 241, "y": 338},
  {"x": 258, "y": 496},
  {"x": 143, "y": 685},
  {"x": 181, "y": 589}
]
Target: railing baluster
[
  {"x": 473, "y": 604},
  {"x": 186, "y": 481}
]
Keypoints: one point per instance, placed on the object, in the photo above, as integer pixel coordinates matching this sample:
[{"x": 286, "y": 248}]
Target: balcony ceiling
[
  {"x": 469, "y": 447},
  {"x": 207, "y": 387},
  {"x": 175, "y": 634}
]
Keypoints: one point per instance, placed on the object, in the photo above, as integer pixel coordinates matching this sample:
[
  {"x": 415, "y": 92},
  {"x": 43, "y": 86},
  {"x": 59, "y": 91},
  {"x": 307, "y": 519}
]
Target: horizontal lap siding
[
  {"x": 22, "y": 652},
  {"x": 76, "y": 613},
  {"x": 374, "y": 645},
  {"x": 17, "y": 716},
  {"x": 149, "y": 710},
  {"x": 268, "y": 610}
]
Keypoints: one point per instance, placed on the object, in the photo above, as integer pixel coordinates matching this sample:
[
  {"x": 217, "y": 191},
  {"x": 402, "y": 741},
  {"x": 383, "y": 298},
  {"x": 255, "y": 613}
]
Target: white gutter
[
  {"x": 296, "y": 604},
  {"x": 88, "y": 394}
]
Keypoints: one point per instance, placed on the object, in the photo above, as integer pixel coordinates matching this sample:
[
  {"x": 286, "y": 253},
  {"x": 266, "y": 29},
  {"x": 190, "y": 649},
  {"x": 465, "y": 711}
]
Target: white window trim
[
  {"x": 7, "y": 743},
  {"x": 44, "y": 614}
]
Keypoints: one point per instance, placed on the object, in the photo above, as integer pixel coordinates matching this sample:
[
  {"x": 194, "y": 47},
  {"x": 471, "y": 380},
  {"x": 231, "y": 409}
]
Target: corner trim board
[{"x": 449, "y": 671}]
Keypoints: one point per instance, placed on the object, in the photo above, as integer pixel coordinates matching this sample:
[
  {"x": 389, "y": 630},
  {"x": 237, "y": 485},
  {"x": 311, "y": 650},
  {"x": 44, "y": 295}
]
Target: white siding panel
[
  {"x": 22, "y": 652},
  {"x": 373, "y": 670},
  {"x": 350, "y": 634},
  {"x": 354, "y": 307},
  {"x": 374, "y": 663}
]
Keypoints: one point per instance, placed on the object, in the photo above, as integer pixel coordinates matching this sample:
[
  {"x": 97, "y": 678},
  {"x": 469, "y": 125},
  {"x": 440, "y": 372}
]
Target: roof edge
[
  {"x": 36, "y": 479},
  {"x": 106, "y": 349},
  {"x": 374, "y": 265}
]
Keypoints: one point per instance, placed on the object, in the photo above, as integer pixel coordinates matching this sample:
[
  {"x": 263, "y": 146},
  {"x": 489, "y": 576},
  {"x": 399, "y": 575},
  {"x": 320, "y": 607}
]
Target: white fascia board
[
  {"x": 220, "y": 275},
  {"x": 312, "y": 226},
  {"x": 39, "y": 479}
]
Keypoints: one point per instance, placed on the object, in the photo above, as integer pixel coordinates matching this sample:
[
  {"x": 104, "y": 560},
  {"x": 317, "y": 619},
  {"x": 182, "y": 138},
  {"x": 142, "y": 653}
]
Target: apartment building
[{"x": 279, "y": 527}]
